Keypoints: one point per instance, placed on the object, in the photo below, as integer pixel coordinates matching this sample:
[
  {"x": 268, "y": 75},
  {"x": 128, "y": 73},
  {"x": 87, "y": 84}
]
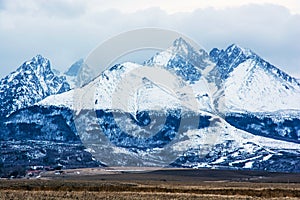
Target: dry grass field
[
  {"x": 160, "y": 184},
  {"x": 46, "y": 195}
]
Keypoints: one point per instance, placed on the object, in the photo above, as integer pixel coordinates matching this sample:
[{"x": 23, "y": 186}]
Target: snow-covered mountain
[
  {"x": 247, "y": 83},
  {"x": 229, "y": 108},
  {"x": 250, "y": 125},
  {"x": 178, "y": 60},
  {"x": 30, "y": 83}
]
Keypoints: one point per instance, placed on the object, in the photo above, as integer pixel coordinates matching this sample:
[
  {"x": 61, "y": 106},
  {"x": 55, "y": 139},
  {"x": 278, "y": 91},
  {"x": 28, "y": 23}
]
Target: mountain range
[{"x": 247, "y": 114}]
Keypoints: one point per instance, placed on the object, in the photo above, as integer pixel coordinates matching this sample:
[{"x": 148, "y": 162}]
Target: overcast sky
[{"x": 65, "y": 31}]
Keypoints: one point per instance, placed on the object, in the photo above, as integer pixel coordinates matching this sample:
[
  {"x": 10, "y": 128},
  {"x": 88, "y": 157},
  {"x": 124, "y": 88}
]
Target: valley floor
[{"x": 158, "y": 184}]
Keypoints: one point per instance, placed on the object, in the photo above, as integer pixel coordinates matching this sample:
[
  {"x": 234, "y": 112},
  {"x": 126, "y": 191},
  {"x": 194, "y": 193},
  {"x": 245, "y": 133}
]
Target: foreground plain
[{"x": 158, "y": 184}]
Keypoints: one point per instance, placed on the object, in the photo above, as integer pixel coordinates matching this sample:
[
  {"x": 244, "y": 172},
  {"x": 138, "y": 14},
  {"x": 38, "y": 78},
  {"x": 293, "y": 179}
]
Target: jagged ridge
[{"x": 30, "y": 83}]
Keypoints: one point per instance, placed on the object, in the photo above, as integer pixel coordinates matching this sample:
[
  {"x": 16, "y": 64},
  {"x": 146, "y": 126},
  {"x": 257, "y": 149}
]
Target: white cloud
[
  {"x": 174, "y": 6},
  {"x": 66, "y": 31}
]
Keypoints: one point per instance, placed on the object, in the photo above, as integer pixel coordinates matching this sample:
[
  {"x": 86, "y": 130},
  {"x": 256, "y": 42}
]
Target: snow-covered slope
[
  {"x": 251, "y": 87},
  {"x": 248, "y": 83},
  {"x": 222, "y": 145},
  {"x": 30, "y": 83},
  {"x": 129, "y": 87},
  {"x": 59, "y": 100}
]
